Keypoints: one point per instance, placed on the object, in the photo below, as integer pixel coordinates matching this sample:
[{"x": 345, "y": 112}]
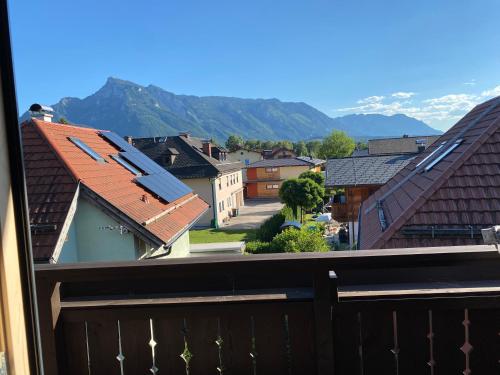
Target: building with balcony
[
  {"x": 264, "y": 177},
  {"x": 446, "y": 195},
  {"x": 93, "y": 197},
  {"x": 204, "y": 167}
]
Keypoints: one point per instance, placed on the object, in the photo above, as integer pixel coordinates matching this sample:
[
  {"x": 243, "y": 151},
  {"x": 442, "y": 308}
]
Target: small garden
[
  {"x": 300, "y": 195},
  {"x": 212, "y": 235}
]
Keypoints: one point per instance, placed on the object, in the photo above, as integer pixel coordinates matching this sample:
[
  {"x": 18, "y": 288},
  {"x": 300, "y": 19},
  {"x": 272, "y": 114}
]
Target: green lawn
[{"x": 221, "y": 235}]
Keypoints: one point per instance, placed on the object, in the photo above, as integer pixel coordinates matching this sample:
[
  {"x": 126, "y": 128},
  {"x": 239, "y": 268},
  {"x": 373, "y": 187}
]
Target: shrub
[
  {"x": 258, "y": 247},
  {"x": 295, "y": 241},
  {"x": 270, "y": 227}
]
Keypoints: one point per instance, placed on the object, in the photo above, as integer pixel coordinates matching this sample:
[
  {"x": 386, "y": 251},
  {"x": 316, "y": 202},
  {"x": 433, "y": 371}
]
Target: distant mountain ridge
[{"x": 131, "y": 109}]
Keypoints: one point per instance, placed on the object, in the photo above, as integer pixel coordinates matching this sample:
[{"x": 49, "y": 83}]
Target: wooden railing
[{"x": 408, "y": 311}]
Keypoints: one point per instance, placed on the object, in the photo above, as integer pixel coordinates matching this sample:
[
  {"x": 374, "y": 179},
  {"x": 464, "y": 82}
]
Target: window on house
[
  {"x": 448, "y": 151},
  {"x": 125, "y": 164},
  {"x": 227, "y": 181},
  {"x": 272, "y": 186},
  {"x": 431, "y": 154},
  {"x": 220, "y": 184},
  {"x": 85, "y": 148},
  {"x": 270, "y": 170}
]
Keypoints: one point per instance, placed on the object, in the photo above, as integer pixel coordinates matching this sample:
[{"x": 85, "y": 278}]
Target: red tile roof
[
  {"x": 461, "y": 191},
  {"x": 55, "y": 166}
]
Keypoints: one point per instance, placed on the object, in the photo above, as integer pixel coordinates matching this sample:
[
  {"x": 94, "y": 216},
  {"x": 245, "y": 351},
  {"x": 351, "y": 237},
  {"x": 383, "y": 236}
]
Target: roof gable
[{"x": 467, "y": 173}]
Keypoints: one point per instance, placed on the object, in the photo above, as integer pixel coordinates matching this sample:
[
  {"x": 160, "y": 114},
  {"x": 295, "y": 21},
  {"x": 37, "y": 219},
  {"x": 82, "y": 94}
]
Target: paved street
[{"x": 254, "y": 213}]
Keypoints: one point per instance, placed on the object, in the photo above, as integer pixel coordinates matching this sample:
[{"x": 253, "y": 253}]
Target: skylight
[
  {"x": 443, "y": 155},
  {"x": 431, "y": 154},
  {"x": 126, "y": 164},
  {"x": 85, "y": 148}
]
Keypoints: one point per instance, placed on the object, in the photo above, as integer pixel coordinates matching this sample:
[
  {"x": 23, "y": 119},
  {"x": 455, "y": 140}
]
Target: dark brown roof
[
  {"x": 460, "y": 191},
  {"x": 190, "y": 161},
  {"x": 55, "y": 167}
]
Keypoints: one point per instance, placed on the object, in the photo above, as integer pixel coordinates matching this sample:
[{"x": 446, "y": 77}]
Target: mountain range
[{"x": 141, "y": 111}]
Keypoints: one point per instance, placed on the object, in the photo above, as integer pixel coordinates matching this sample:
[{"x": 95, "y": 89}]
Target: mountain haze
[{"x": 131, "y": 109}]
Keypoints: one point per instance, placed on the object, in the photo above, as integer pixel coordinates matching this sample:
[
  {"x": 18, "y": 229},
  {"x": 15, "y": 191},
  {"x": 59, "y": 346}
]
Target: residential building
[
  {"x": 400, "y": 145},
  {"x": 354, "y": 179},
  {"x": 278, "y": 153},
  {"x": 266, "y": 176},
  {"x": 446, "y": 195},
  {"x": 246, "y": 157},
  {"x": 203, "y": 166},
  {"x": 93, "y": 197}
]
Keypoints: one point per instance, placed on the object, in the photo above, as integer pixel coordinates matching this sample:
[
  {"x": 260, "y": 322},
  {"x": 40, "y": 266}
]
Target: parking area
[{"x": 254, "y": 213}]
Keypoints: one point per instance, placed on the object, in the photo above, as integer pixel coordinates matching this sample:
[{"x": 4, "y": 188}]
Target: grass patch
[{"x": 221, "y": 235}]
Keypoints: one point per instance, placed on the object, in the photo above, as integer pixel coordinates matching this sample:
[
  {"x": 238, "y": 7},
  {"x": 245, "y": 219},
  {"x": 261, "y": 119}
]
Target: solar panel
[
  {"x": 126, "y": 165},
  {"x": 166, "y": 186},
  {"x": 142, "y": 162},
  {"x": 118, "y": 141},
  {"x": 156, "y": 179},
  {"x": 85, "y": 148}
]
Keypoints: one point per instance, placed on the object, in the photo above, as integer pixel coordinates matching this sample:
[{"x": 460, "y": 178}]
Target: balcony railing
[{"x": 407, "y": 311}]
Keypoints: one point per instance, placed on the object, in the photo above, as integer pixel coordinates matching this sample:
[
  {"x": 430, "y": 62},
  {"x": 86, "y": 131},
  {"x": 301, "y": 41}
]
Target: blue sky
[{"x": 431, "y": 59}]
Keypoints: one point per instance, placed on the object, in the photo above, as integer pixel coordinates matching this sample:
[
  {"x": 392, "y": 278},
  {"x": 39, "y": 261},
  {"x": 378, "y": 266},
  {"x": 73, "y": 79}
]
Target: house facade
[
  {"x": 265, "y": 177},
  {"x": 93, "y": 197},
  {"x": 205, "y": 168},
  {"x": 278, "y": 153},
  {"x": 246, "y": 157},
  {"x": 446, "y": 195}
]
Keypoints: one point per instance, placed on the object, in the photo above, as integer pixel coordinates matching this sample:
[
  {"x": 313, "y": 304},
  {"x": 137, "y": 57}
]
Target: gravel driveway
[{"x": 254, "y": 213}]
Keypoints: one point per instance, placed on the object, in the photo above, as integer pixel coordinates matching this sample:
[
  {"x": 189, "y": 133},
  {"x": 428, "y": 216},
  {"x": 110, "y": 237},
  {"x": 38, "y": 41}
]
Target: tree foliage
[
  {"x": 234, "y": 142},
  {"x": 315, "y": 176},
  {"x": 313, "y": 148},
  {"x": 300, "y": 148},
  {"x": 336, "y": 145},
  {"x": 301, "y": 192}
]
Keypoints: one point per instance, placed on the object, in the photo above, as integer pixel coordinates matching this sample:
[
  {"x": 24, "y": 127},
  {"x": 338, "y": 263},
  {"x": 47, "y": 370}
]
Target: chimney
[
  {"x": 184, "y": 134},
  {"x": 41, "y": 112},
  {"x": 421, "y": 144},
  {"x": 129, "y": 139},
  {"x": 207, "y": 148}
]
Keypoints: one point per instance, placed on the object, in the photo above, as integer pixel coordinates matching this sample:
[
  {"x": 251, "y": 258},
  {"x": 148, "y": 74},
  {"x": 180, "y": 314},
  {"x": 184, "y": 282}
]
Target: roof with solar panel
[
  {"x": 446, "y": 195},
  {"x": 63, "y": 159}
]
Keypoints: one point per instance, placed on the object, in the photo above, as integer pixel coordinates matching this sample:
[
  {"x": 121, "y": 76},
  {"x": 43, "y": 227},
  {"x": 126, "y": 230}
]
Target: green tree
[
  {"x": 300, "y": 148},
  {"x": 285, "y": 144},
  {"x": 301, "y": 192},
  {"x": 337, "y": 145},
  {"x": 268, "y": 145},
  {"x": 315, "y": 176},
  {"x": 252, "y": 144},
  {"x": 62, "y": 120},
  {"x": 234, "y": 142},
  {"x": 313, "y": 148},
  {"x": 361, "y": 146}
]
